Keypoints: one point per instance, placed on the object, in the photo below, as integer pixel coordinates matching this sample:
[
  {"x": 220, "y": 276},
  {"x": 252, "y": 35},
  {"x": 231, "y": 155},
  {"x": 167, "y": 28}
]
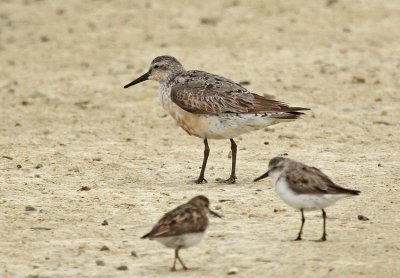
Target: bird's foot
[
  {"x": 323, "y": 238},
  {"x": 297, "y": 238},
  {"x": 200, "y": 180},
  {"x": 173, "y": 269},
  {"x": 231, "y": 180}
]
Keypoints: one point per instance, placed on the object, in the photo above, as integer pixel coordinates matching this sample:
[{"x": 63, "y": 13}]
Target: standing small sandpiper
[
  {"x": 183, "y": 227},
  {"x": 305, "y": 188},
  {"x": 213, "y": 107}
]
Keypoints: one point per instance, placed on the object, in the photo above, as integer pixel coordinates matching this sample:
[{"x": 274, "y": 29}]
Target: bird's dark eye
[{"x": 156, "y": 66}]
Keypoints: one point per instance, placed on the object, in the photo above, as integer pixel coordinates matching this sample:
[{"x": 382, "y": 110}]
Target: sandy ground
[{"x": 67, "y": 123}]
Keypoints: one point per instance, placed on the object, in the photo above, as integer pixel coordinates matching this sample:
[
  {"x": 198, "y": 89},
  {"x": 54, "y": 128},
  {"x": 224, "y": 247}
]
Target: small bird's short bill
[{"x": 262, "y": 176}]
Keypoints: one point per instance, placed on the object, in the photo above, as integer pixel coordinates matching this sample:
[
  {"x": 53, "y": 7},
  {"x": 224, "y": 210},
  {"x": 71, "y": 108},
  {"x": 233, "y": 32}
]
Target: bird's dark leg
[
  {"x": 232, "y": 178},
  {"x": 201, "y": 178},
  {"x": 173, "y": 266},
  {"x": 179, "y": 258},
  {"x": 323, "y": 238},
  {"x": 303, "y": 219}
]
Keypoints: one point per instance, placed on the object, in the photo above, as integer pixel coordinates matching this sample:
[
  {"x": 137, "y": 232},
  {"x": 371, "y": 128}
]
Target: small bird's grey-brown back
[{"x": 213, "y": 107}]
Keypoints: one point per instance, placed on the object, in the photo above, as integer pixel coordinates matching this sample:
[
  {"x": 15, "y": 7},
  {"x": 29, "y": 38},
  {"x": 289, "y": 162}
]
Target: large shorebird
[
  {"x": 213, "y": 107},
  {"x": 304, "y": 188},
  {"x": 183, "y": 227}
]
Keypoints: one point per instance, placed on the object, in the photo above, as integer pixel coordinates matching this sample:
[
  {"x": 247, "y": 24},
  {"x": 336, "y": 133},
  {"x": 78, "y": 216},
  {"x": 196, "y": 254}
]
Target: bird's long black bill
[
  {"x": 138, "y": 80},
  {"x": 262, "y": 176},
  {"x": 213, "y": 213}
]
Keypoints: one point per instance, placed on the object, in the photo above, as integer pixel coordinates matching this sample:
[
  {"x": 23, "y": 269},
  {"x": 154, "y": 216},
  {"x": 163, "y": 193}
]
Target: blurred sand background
[{"x": 66, "y": 124}]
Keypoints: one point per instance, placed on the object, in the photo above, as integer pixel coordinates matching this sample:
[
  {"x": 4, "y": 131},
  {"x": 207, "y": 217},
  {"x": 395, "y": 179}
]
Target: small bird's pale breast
[{"x": 184, "y": 241}]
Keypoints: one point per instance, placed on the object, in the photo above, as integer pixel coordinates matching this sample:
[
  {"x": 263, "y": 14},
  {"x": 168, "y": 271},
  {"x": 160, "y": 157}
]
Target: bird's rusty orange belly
[
  {"x": 223, "y": 126},
  {"x": 191, "y": 123}
]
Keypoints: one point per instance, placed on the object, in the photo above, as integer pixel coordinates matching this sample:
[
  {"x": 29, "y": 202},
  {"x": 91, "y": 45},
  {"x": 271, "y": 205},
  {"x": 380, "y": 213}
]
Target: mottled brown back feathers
[
  {"x": 205, "y": 93},
  {"x": 187, "y": 218}
]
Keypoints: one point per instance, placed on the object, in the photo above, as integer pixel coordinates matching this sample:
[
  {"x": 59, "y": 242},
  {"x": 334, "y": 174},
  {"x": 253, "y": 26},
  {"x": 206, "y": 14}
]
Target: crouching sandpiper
[
  {"x": 183, "y": 227},
  {"x": 213, "y": 107},
  {"x": 305, "y": 188}
]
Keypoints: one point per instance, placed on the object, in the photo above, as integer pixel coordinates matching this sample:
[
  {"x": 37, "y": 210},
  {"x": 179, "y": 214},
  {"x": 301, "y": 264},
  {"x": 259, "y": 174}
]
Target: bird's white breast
[
  {"x": 184, "y": 241},
  {"x": 304, "y": 201}
]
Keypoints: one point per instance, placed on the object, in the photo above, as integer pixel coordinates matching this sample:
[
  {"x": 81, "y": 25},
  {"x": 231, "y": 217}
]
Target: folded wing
[
  {"x": 204, "y": 93},
  {"x": 310, "y": 180},
  {"x": 182, "y": 220}
]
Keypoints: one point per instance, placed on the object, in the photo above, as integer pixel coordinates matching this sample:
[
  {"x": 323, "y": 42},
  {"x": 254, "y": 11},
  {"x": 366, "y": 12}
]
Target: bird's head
[
  {"x": 275, "y": 168},
  {"x": 161, "y": 69},
  {"x": 203, "y": 204}
]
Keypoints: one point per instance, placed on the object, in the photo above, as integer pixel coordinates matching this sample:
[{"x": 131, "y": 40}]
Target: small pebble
[
  {"x": 122, "y": 267},
  {"x": 40, "y": 165},
  {"x": 44, "y": 39},
  {"x": 133, "y": 253},
  {"x": 209, "y": 21},
  {"x": 19, "y": 166},
  {"x": 104, "y": 248},
  {"x": 357, "y": 79},
  {"x": 84, "y": 188},
  {"x": 104, "y": 223},
  {"x": 100, "y": 262},
  {"x": 29, "y": 208},
  {"x": 331, "y": 2},
  {"x": 233, "y": 271},
  {"x": 362, "y": 217}
]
